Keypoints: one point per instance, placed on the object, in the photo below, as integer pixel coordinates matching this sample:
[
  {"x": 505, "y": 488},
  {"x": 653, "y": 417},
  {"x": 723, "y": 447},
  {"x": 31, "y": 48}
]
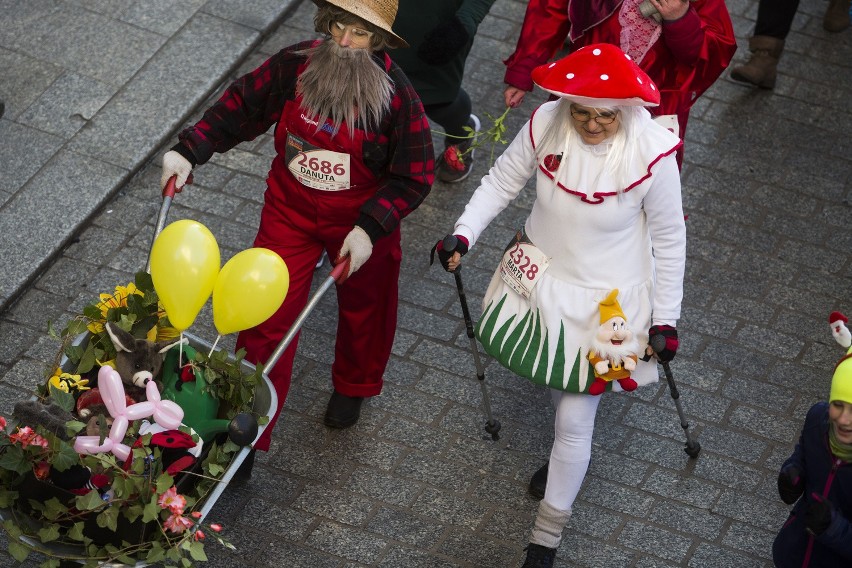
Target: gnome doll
[
  {"x": 614, "y": 347},
  {"x": 839, "y": 331}
]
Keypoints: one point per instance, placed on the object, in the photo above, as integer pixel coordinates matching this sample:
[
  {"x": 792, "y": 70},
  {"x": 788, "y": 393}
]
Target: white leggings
[{"x": 572, "y": 447}]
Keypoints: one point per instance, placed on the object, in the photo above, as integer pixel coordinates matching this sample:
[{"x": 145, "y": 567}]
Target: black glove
[
  {"x": 443, "y": 43},
  {"x": 445, "y": 249},
  {"x": 818, "y": 514},
  {"x": 663, "y": 340},
  {"x": 791, "y": 484}
]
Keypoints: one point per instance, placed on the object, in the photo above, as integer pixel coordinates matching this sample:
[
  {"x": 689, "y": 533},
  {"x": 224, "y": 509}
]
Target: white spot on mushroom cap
[
  {"x": 569, "y": 76},
  {"x": 596, "y": 51},
  {"x": 604, "y": 77}
]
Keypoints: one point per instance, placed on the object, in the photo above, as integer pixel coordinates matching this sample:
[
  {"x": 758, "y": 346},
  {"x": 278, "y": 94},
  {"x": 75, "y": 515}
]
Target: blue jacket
[{"x": 825, "y": 475}]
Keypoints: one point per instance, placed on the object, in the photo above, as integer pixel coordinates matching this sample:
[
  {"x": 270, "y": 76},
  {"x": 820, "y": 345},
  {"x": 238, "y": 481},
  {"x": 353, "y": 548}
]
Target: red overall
[{"x": 298, "y": 222}]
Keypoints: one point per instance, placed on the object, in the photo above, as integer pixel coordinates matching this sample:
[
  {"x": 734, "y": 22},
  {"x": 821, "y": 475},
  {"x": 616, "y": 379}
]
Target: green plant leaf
[
  {"x": 156, "y": 553},
  {"x": 50, "y": 563},
  {"x": 89, "y": 502},
  {"x": 18, "y": 551},
  {"x": 65, "y": 457},
  {"x": 54, "y": 508},
  {"x": 14, "y": 459},
  {"x": 76, "y": 532},
  {"x": 164, "y": 482},
  {"x": 13, "y": 529},
  {"x": 87, "y": 360},
  {"x": 108, "y": 518},
  {"x": 48, "y": 533},
  {"x": 151, "y": 511},
  {"x": 196, "y": 550},
  {"x": 61, "y": 398}
]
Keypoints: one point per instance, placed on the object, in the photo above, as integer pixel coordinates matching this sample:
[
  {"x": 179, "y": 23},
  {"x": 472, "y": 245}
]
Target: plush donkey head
[{"x": 137, "y": 360}]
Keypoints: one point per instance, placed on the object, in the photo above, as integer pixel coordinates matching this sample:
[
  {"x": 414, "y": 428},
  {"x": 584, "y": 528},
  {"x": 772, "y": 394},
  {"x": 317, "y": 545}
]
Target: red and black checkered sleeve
[
  {"x": 411, "y": 160},
  {"x": 247, "y": 108}
]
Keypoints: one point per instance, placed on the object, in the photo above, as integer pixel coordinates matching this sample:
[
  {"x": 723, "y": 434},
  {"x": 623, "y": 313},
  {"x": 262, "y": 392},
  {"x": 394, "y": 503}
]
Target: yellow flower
[
  {"x": 109, "y": 301},
  {"x": 66, "y": 381},
  {"x": 162, "y": 333}
]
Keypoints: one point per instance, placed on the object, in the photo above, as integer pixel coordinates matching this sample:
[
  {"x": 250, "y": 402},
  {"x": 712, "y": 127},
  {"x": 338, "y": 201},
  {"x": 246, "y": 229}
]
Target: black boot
[
  {"x": 342, "y": 411},
  {"x": 539, "y": 556},
  {"x": 243, "y": 474},
  {"x": 538, "y": 481}
]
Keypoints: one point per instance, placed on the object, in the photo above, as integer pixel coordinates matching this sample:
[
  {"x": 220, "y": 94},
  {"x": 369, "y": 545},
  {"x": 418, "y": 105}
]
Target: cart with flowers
[{"x": 91, "y": 474}]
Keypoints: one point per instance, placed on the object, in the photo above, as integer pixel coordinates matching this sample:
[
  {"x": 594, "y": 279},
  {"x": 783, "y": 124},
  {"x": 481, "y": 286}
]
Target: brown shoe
[
  {"x": 342, "y": 411},
  {"x": 836, "y": 17},
  {"x": 761, "y": 69}
]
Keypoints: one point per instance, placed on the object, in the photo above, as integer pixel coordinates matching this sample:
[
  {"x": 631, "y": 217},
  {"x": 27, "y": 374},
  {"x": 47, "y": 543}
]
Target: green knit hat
[{"x": 841, "y": 382}]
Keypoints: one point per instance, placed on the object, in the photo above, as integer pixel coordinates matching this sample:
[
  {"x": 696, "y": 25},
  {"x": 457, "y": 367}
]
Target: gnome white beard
[
  {"x": 345, "y": 85},
  {"x": 615, "y": 354}
]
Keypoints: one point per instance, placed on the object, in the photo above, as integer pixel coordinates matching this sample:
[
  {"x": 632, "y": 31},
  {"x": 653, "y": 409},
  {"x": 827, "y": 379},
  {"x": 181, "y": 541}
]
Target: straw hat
[
  {"x": 380, "y": 13},
  {"x": 598, "y": 75}
]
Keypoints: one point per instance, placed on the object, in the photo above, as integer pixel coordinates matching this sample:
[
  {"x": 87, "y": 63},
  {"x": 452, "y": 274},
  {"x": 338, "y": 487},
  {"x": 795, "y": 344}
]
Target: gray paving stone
[
  {"x": 688, "y": 490},
  {"x": 22, "y": 160},
  {"x": 749, "y": 539},
  {"x": 711, "y": 556},
  {"x": 582, "y": 551},
  {"x": 686, "y": 519},
  {"x": 450, "y": 509},
  {"x": 405, "y": 527},
  {"x": 616, "y": 497},
  {"x": 349, "y": 543},
  {"x": 655, "y": 540},
  {"x": 68, "y": 104},
  {"x": 402, "y": 556},
  {"x": 476, "y": 550}
]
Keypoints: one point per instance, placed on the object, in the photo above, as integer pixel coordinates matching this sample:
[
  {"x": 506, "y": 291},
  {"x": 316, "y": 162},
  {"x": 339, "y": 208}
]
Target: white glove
[
  {"x": 358, "y": 246},
  {"x": 175, "y": 165}
]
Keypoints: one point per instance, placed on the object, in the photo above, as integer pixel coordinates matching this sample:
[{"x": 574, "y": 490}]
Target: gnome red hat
[{"x": 598, "y": 75}]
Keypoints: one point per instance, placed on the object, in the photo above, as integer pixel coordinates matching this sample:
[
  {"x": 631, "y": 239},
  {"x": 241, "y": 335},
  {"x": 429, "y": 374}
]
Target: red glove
[
  {"x": 445, "y": 255},
  {"x": 663, "y": 340}
]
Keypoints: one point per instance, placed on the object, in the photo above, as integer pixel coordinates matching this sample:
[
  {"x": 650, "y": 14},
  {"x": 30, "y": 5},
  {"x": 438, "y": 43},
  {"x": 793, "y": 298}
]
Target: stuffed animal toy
[
  {"x": 137, "y": 360},
  {"x": 613, "y": 353},
  {"x": 90, "y": 409},
  {"x": 51, "y": 416},
  {"x": 839, "y": 331}
]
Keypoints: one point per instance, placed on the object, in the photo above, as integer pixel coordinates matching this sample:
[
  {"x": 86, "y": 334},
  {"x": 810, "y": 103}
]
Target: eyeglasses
[
  {"x": 358, "y": 35},
  {"x": 603, "y": 118}
]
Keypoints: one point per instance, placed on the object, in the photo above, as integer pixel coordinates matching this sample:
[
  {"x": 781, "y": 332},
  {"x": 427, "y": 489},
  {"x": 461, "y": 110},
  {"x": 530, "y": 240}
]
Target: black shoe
[
  {"x": 343, "y": 411},
  {"x": 243, "y": 474},
  {"x": 539, "y": 556},
  {"x": 538, "y": 481}
]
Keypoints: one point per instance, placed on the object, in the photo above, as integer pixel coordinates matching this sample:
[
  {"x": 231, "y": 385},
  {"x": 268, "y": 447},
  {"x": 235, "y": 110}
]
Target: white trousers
[{"x": 572, "y": 447}]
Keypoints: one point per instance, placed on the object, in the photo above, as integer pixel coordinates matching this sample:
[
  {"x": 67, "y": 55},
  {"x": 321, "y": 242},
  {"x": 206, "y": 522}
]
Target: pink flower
[
  {"x": 2, "y": 423},
  {"x": 196, "y": 514},
  {"x": 172, "y": 501},
  {"x": 199, "y": 535},
  {"x": 177, "y": 523},
  {"x": 26, "y": 436},
  {"x": 215, "y": 527}
]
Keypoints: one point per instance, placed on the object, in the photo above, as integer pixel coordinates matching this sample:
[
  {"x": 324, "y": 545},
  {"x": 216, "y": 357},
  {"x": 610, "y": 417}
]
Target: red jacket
[{"x": 689, "y": 56}]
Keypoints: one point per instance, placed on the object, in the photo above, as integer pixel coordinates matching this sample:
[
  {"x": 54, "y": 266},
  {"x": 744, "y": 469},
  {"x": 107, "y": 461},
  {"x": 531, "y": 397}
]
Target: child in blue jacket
[{"x": 818, "y": 479}]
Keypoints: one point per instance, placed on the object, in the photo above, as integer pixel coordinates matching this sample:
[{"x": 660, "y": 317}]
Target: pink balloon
[
  {"x": 139, "y": 410},
  {"x": 165, "y": 412},
  {"x": 112, "y": 390},
  {"x": 168, "y": 414}
]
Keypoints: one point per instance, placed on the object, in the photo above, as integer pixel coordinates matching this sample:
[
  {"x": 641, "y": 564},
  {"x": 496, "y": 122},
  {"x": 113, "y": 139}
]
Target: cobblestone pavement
[{"x": 418, "y": 483}]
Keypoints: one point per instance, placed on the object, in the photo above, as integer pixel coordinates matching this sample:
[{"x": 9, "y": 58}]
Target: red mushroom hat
[{"x": 598, "y": 75}]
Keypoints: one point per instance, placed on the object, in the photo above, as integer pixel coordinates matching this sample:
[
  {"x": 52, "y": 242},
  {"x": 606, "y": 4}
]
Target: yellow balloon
[
  {"x": 184, "y": 264},
  {"x": 250, "y": 288}
]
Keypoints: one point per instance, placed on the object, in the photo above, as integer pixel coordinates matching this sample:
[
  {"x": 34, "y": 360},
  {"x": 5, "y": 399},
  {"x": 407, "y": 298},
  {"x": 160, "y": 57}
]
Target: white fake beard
[
  {"x": 344, "y": 85},
  {"x": 615, "y": 354}
]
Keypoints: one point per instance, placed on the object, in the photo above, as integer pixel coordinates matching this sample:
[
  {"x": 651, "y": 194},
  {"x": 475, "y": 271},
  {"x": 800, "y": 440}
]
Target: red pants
[{"x": 298, "y": 225}]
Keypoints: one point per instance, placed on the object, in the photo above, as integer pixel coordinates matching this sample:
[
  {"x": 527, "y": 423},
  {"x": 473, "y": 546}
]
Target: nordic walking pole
[
  {"x": 658, "y": 343},
  {"x": 491, "y": 426}
]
